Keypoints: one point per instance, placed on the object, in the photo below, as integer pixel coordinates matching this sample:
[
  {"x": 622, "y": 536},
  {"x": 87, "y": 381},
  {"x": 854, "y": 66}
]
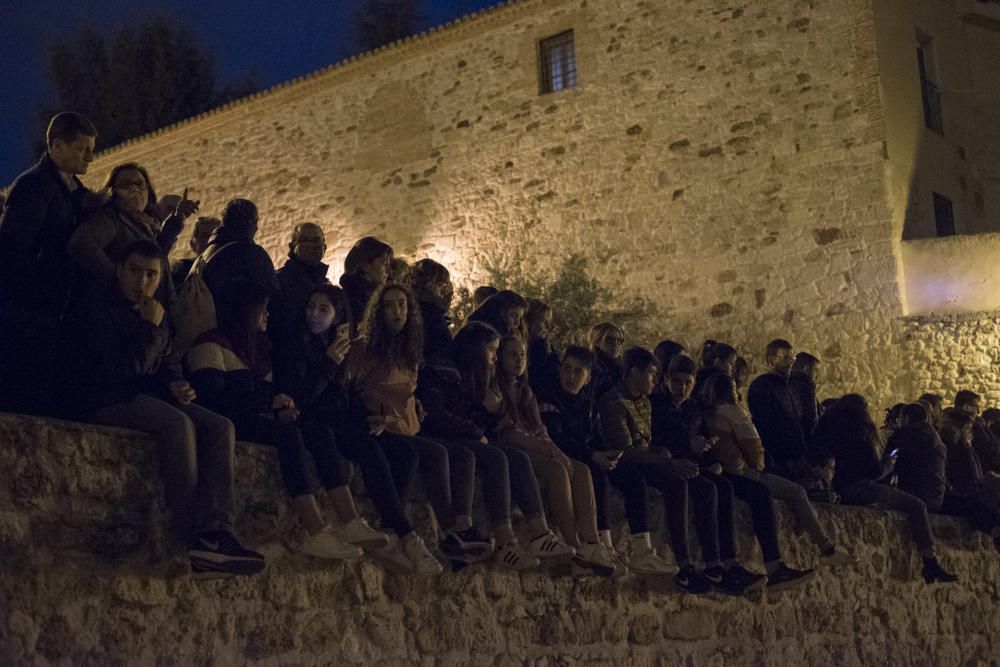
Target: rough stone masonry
[{"x": 87, "y": 580}]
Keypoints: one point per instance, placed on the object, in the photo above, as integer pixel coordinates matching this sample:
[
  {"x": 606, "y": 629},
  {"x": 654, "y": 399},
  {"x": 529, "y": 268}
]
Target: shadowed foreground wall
[{"x": 83, "y": 583}]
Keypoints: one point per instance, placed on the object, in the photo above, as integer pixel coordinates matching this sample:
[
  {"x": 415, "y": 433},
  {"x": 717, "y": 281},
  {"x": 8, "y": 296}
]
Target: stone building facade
[{"x": 740, "y": 165}]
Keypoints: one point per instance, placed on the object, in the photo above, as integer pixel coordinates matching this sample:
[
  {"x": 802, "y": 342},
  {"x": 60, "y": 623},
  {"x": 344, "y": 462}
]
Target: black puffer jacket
[
  {"x": 920, "y": 462},
  {"x": 451, "y": 411},
  {"x": 775, "y": 414}
]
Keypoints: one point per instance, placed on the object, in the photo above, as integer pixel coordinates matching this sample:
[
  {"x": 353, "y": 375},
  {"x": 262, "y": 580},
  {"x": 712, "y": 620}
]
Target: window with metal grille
[
  {"x": 944, "y": 216},
  {"x": 557, "y": 61},
  {"x": 930, "y": 91}
]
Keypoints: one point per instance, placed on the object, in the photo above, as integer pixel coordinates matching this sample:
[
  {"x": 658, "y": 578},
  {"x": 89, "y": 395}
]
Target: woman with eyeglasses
[
  {"x": 607, "y": 341},
  {"x": 128, "y": 215}
]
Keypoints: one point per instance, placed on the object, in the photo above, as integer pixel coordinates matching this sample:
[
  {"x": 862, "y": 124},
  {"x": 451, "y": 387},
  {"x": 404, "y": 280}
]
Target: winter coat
[
  {"x": 99, "y": 242},
  {"x": 232, "y": 257},
  {"x": 451, "y": 411},
  {"x": 920, "y": 462},
  {"x": 572, "y": 422},
  {"x": 39, "y": 217},
  {"x": 437, "y": 335},
  {"x": 776, "y": 416},
  {"x": 110, "y": 355},
  {"x": 225, "y": 381}
]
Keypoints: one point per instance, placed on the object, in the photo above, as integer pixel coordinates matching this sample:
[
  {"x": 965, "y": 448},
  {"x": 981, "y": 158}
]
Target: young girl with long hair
[
  {"x": 739, "y": 450},
  {"x": 454, "y": 399},
  {"x": 568, "y": 482},
  {"x": 231, "y": 373},
  {"x": 381, "y": 373},
  {"x": 309, "y": 369}
]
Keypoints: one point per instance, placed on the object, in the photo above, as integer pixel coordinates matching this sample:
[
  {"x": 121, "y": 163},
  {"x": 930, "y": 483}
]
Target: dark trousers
[
  {"x": 448, "y": 471},
  {"x": 866, "y": 492},
  {"x": 389, "y": 473},
  {"x": 677, "y": 494},
  {"x": 980, "y": 515},
  {"x": 758, "y": 497},
  {"x": 296, "y": 442},
  {"x": 630, "y": 481},
  {"x": 196, "y": 448},
  {"x": 491, "y": 463}
]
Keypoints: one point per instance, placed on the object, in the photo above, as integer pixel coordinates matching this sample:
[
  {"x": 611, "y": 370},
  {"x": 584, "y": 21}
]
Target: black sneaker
[
  {"x": 934, "y": 573},
  {"x": 219, "y": 554},
  {"x": 466, "y": 545},
  {"x": 751, "y": 581},
  {"x": 691, "y": 581},
  {"x": 785, "y": 577},
  {"x": 724, "y": 582}
]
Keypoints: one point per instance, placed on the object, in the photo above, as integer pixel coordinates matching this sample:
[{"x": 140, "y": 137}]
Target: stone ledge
[{"x": 82, "y": 541}]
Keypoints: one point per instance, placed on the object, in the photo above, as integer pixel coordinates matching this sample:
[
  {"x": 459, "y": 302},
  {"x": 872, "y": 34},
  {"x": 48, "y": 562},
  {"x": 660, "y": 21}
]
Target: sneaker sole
[
  {"x": 756, "y": 585},
  {"x": 390, "y": 565},
  {"x": 375, "y": 542},
  {"x": 347, "y": 555},
  {"x": 218, "y": 557},
  {"x": 201, "y": 569},
  {"x": 792, "y": 583},
  {"x": 654, "y": 573},
  {"x": 596, "y": 569}
]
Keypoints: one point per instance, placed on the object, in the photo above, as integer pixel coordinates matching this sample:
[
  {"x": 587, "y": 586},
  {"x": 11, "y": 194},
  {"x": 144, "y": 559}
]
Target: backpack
[{"x": 193, "y": 311}]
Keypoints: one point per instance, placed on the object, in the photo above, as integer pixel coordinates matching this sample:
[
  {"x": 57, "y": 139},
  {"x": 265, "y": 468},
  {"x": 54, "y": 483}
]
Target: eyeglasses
[{"x": 130, "y": 185}]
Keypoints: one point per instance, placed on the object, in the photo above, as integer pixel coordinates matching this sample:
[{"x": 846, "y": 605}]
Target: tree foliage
[
  {"x": 136, "y": 80},
  {"x": 578, "y": 300},
  {"x": 380, "y": 22}
]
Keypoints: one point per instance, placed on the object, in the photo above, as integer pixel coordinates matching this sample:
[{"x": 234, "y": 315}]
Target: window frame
[{"x": 566, "y": 76}]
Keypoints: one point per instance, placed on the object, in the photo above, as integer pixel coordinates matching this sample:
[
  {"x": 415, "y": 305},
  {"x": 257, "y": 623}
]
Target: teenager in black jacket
[
  {"x": 571, "y": 418},
  {"x": 366, "y": 268},
  {"x": 118, "y": 370},
  {"x": 847, "y": 431}
]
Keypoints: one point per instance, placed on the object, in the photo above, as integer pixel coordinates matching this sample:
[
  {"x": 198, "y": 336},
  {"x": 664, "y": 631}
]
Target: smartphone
[
  {"x": 343, "y": 330},
  {"x": 894, "y": 453},
  {"x": 617, "y": 454}
]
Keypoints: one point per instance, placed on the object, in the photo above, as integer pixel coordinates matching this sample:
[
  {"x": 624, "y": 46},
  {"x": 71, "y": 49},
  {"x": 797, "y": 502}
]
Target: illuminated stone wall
[
  {"x": 727, "y": 162},
  {"x": 86, "y": 578},
  {"x": 956, "y": 274}
]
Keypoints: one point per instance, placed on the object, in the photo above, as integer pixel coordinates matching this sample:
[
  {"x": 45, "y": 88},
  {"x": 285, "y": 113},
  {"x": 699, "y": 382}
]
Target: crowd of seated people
[{"x": 374, "y": 375}]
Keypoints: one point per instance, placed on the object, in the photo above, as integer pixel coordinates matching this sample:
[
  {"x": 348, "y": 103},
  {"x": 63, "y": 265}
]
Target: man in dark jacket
[
  {"x": 570, "y": 417},
  {"x": 802, "y": 384},
  {"x": 775, "y": 411},
  {"x": 986, "y": 445},
  {"x": 233, "y": 257},
  {"x": 302, "y": 272},
  {"x": 119, "y": 371},
  {"x": 43, "y": 208},
  {"x": 920, "y": 457},
  {"x": 857, "y": 479}
]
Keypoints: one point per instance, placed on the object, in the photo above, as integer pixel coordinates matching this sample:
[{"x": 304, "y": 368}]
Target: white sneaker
[
  {"x": 621, "y": 567},
  {"x": 359, "y": 533},
  {"x": 513, "y": 556},
  {"x": 549, "y": 546},
  {"x": 837, "y": 558},
  {"x": 423, "y": 561},
  {"x": 597, "y": 558},
  {"x": 392, "y": 558},
  {"x": 650, "y": 563},
  {"x": 326, "y": 544}
]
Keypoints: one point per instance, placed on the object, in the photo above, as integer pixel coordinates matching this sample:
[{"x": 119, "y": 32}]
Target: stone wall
[
  {"x": 87, "y": 578},
  {"x": 727, "y": 161},
  {"x": 953, "y": 352},
  {"x": 955, "y": 274}
]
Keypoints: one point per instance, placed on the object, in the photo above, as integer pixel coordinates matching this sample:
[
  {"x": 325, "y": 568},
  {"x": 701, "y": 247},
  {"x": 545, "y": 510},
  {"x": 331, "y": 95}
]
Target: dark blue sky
[{"x": 274, "y": 40}]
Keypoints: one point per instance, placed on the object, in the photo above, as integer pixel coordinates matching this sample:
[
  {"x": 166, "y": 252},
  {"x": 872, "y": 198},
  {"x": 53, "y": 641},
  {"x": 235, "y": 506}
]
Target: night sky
[{"x": 273, "y": 40}]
